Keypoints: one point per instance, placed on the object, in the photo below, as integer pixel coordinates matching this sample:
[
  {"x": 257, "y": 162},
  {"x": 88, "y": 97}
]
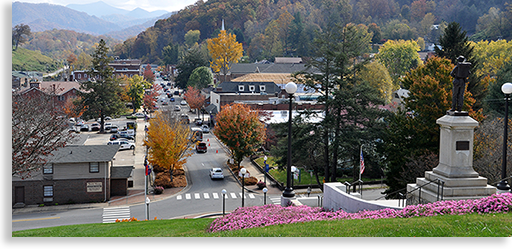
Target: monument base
[
  {"x": 454, "y": 178},
  {"x": 445, "y": 188}
]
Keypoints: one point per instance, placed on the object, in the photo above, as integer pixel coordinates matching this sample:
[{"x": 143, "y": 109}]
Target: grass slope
[
  {"x": 28, "y": 60},
  {"x": 471, "y": 225}
]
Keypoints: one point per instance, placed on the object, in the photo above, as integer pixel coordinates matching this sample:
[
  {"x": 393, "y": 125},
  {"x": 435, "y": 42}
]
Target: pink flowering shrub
[{"x": 260, "y": 216}]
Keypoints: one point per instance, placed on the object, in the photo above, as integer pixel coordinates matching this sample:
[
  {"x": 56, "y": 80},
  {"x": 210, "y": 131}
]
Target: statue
[{"x": 459, "y": 73}]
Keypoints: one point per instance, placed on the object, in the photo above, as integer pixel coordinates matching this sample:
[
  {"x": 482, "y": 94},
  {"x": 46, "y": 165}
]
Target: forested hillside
[{"x": 270, "y": 28}]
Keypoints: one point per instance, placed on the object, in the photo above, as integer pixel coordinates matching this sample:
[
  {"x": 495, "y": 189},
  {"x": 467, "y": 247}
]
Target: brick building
[{"x": 73, "y": 174}]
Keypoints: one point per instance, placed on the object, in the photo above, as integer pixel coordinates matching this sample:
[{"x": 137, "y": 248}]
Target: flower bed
[{"x": 260, "y": 216}]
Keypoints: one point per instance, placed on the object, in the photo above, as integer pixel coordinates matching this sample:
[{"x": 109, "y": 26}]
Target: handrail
[
  {"x": 360, "y": 183},
  {"x": 403, "y": 197}
]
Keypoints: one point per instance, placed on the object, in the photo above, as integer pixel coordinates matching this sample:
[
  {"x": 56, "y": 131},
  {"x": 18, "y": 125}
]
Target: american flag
[{"x": 361, "y": 160}]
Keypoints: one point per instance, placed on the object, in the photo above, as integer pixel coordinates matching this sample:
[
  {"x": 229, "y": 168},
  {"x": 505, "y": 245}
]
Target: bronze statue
[{"x": 459, "y": 73}]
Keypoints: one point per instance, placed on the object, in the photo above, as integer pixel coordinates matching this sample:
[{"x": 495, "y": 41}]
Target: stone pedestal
[{"x": 454, "y": 178}]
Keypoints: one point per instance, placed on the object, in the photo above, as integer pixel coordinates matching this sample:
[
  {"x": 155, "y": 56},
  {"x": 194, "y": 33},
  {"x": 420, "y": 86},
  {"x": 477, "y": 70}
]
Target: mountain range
[{"x": 96, "y": 18}]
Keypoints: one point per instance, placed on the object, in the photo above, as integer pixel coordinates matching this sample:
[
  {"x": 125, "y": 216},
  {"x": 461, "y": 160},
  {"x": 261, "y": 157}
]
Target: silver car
[{"x": 216, "y": 173}]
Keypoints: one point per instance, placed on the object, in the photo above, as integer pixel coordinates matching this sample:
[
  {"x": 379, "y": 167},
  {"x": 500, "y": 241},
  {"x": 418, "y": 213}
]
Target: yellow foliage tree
[
  {"x": 168, "y": 141},
  {"x": 224, "y": 50}
]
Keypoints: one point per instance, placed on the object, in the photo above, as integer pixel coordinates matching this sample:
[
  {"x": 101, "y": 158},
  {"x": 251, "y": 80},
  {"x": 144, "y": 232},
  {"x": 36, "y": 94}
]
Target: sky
[{"x": 149, "y": 5}]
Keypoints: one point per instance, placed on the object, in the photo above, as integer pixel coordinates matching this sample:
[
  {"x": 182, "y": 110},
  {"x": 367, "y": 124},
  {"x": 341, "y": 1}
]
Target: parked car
[
  {"x": 183, "y": 102},
  {"x": 114, "y": 129},
  {"x": 205, "y": 129},
  {"x": 125, "y": 145},
  {"x": 79, "y": 123},
  {"x": 139, "y": 115},
  {"x": 95, "y": 127},
  {"x": 172, "y": 99},
  {"x": 73, "y": 129},
  {"x": 198, "y": 122},
  {"x": 117, "y": 136},
  {"x": 108, "y": 126},
  {"x": 84, "y": 127},
  {"x": 201, "y": 147},
  {"x": 216, "y": 173},
  {"x": 176, "y": 92},
  {"x": 177, "y": 108}
]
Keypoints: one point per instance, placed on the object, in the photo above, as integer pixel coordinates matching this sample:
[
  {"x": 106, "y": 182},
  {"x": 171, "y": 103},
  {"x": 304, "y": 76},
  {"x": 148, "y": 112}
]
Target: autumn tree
[
  {"x": 134, "y": 90},
  {"x": 224, "y": 51},
  {"x": 195, "y": 99},
  {"x": 168, "y": 141},
  {"x": 148, "y": 74},
  {"x": 151, "y": 97},
  {"x": 20, "y": 34},
  {"x": 240, "y": 129},
  {"x": 399, "y": 57},
  {"x": 378, "y": 77}
]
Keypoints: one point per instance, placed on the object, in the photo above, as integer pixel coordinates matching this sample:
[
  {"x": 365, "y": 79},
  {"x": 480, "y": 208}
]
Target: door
[{"x": 19, "y": 194}]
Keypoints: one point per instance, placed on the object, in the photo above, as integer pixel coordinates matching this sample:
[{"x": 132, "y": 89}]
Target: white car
[
  {"x": 139, "y": 115},
  {"x": 216, "y": 173},
  {"x": 125, "y": 145},
  {"x": 205, "y": 129},
  {"x": 183, "y": 102},
  {"x": 177, "y": 108}
]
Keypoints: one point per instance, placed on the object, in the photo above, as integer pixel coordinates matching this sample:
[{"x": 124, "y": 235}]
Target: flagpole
[{"x": 360, "y": 161}]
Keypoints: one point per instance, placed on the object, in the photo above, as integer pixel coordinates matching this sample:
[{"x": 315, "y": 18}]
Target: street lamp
[
  {"x": 224, "y": 202},
  {"x": 507, "y": 90},
  {"x": 290, "y": 88},
  {"x": 266, "y": 171},
  {"x": 243, "y": 171}
]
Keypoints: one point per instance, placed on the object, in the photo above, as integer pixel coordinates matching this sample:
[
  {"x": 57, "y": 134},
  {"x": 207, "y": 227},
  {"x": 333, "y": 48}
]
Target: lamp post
[
  {"x": 503, "y": 186},
  {"x": 266, "y": 171},
  {"x": 290, "y": 88},
  {"x": 265, "y": 190},
  {"x": 224, "y": 202},
  {"x": 243, "y": 171}
]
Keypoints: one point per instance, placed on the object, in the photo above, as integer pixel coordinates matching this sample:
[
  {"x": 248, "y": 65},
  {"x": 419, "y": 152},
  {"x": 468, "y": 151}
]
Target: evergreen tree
[
  {"x": 193, "y": 59},
  {"x": 454, "y": 42},
  {"x": 100, "y": 96}
]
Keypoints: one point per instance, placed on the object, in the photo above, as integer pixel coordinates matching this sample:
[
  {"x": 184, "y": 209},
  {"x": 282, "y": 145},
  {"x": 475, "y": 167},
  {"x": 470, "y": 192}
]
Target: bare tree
[{"x": 38, "y": 128}]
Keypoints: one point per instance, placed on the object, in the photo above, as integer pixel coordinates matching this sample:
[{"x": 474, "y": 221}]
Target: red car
[{"x": 201, "y": 147}]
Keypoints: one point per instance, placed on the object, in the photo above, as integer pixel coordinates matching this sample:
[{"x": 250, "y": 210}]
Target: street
[{"x": 202, "y": 195}]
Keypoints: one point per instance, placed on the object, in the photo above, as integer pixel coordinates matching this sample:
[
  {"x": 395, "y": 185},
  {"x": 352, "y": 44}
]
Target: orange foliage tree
[
  {"x": 194, "y": 99},
  {"x": 240, "y": 129},
  {"x": 168, "y": 141}
]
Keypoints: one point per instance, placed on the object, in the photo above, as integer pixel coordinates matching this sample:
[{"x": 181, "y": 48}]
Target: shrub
[
  {"x": 261, "y": 184},
  {"x": 158, "y": 190}
]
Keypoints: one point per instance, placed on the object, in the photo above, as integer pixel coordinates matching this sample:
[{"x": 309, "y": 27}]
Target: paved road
[{"x": 202, "y": 195}]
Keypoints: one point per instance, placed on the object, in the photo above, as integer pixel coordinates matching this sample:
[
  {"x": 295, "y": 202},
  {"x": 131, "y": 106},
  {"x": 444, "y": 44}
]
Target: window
[
  {"x": 240, "y": 88},
  {"x": 61, "y": 98},
  {"x": 94, "y": 167},
  {"x": 252, "y": 88},
  {"x": 48, "y": 169},
  {"x": 48, "y": 191},
  {"x": 262, "y": 88},
  {"x": 79, "y": 76},
  {"x": 85, "y": 76}
]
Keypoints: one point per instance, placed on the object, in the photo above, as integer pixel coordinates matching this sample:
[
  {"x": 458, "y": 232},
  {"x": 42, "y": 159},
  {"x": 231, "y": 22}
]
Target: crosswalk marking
[
  {"x": 207, "y": 196},
  {"x": 110, "y": 215},
  {"x": 276, "y": 200}
]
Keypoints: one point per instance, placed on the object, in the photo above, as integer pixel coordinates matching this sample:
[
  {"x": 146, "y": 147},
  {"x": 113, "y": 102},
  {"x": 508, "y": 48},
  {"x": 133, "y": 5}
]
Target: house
[
  {"x": 61, "y": 91},
  {"x": 73, "y": 174},
  {"x": 229, "y": 92},
  {"x": 21, "y": 79}
]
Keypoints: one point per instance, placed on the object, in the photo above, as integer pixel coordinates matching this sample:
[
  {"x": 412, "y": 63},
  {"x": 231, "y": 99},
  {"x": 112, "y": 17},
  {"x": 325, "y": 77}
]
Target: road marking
[
  {"x": 233, "y": 195},
  {"x": 110, "y": 215},
  {"x": 196, "y": 196},
  {"x": 215, "y": 196},
  {"x": 187, "y": 196},
  {"x": 49, "y": 218},
  {"x": 251, "y": 195},
  {"x": 206, "y": 196},
  {"x": 179, "y": 197}
]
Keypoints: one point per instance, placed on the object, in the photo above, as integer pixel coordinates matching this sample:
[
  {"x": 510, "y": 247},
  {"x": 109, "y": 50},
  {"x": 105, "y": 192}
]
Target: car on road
[
  {"x": 216, "y": 173},
  {"x": 172, "y": 99},
  {"x": 205, "y": 129},
  {"x": 177, "y": 108},
  {"x": 183, "y": 102},
  {"x": 125, "y": 145},
  {"x": 201, "y": 147},
  {"x": 199, "y": 122},
  {"x": 140, "y": 115}
]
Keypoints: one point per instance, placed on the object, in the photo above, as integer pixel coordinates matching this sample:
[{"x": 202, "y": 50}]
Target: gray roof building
[{"x": 84, "y": 153}]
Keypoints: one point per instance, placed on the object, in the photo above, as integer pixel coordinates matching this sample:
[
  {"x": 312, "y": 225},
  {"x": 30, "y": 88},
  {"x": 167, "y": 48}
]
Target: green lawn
[{"x": 471, "y": 225}]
